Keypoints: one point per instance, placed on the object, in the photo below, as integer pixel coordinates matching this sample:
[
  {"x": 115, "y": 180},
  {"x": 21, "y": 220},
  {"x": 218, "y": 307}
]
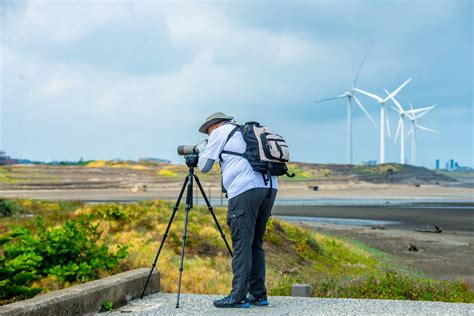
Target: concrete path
[{"x": 165, "y": 304}]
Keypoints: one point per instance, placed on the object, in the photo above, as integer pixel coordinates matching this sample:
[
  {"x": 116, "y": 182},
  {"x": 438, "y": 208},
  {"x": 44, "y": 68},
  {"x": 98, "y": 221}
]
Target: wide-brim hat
[{"x": 214, "y": 118}]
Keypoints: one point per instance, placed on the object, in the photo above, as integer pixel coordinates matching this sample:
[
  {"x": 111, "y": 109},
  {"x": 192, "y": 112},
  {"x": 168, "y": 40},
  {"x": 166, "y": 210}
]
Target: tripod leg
[
  {"x": 211, "y": 210},
  {"x": 165, "y": 234},
  {"x": 185, "y": 230}
]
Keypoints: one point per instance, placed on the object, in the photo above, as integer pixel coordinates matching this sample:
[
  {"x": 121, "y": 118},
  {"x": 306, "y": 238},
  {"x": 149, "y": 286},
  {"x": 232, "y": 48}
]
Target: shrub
[
  {"x": 71, "y": 253},
  {"x": 7, "y": 207},
  {"x": 112, "y": 212},
  {"x": 396, "y": 286},
  {"x": 17, "y": 274}
]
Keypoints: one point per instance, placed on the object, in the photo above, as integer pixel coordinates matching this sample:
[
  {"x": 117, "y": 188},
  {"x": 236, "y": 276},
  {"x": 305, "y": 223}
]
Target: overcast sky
[{"x": 110, "y": 79}]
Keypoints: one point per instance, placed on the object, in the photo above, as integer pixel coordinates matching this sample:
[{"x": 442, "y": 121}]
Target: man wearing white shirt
[{"x": 249, "y": 208}]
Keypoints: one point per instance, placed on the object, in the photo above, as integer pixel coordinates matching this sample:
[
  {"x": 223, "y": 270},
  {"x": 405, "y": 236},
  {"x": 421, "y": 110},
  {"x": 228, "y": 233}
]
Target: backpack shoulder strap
[{"x": 236, "y": 128}]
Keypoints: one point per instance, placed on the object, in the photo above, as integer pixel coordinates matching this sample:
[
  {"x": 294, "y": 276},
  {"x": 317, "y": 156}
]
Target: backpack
[{"x": 267, "y": 152}]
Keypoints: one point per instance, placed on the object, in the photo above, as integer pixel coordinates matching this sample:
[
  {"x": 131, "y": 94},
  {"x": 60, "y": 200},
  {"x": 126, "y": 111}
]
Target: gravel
[{"x": 195, "y": 304}]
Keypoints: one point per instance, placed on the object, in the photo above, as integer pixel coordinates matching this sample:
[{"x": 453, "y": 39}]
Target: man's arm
[
  {"x": 209, "y": 151},
  {"x": 205, "y": 164}
]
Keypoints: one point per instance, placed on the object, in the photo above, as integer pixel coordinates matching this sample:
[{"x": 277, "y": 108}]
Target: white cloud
[
  {"x": 230, "y": 65},
  {"x": 60, "y": 22},
  {"x": 57, "y": 86}
]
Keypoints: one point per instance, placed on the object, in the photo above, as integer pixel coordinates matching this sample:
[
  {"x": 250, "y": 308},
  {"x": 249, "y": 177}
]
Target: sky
[{"x": 131, "y": 79}]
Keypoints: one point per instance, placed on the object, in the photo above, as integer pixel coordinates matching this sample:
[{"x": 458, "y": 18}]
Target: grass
[
  {"x": 457, "y": 173},
  {"x": 333, "y": 266},
  {"x": 378, "y": 170},
  {"x": 300, "y": 173},
  {"x": 22, "y": 175}
]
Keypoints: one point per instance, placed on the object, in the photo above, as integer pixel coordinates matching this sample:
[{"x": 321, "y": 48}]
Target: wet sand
[{"x": 451, "y": 217}]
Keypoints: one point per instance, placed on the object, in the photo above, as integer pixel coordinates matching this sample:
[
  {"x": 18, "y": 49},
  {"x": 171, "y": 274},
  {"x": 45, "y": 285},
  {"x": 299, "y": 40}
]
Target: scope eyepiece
[{"x": 187, "y": 150}]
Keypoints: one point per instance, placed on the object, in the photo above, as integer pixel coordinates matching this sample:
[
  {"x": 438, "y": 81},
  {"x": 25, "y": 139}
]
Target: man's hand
[{"x": 201, "y": 146}]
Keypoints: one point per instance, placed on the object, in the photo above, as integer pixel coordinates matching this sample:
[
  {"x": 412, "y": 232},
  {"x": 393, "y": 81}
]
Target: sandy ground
[
  {"x": 286, "y": 191},
  {"x": 445, "y": 256}
]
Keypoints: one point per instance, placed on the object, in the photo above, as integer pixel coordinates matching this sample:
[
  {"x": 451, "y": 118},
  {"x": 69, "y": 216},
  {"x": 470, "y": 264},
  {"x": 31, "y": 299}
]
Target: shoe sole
[
  {"x": 245, "y": 305},
  {"x": 262, "y": 303}
]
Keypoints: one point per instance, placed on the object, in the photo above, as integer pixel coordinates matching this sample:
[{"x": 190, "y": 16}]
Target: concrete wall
[{"x": 87, "y": 297}]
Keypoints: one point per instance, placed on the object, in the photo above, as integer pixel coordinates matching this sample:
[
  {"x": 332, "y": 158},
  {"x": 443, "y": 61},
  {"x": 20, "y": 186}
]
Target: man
[{"x": 250, "y": 204}]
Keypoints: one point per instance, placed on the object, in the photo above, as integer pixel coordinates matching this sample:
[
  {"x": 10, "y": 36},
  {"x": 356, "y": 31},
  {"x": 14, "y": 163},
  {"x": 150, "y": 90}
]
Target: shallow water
[{"x": 337, "y": 221}]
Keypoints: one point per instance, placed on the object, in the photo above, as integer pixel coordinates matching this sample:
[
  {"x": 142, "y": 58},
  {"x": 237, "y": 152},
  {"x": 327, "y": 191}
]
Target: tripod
[{"x": 191, "y": 162}]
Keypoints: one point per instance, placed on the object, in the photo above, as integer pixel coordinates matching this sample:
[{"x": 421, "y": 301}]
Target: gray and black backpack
[{"x": 267, "y": 152}]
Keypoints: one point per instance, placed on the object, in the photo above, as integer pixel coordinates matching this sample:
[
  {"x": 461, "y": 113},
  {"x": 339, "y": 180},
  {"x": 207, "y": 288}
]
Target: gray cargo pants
[{"x": 247, "y": 217}]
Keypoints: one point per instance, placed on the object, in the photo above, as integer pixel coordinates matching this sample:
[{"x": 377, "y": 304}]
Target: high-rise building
[
  {"x": 437, "y": 164},
  {"x": 451, "y": 164}
]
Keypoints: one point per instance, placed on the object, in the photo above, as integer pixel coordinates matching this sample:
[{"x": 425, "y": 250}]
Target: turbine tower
[
  {"x": 383, "y": 117},
  {"x": 350, "y": 95},
  {"x": 401, "y": 123},
  {"x": 413, "y": 118}
]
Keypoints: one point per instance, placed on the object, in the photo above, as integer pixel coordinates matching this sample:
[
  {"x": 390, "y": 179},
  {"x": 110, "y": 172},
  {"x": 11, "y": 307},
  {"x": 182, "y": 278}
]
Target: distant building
[
  {"x": 6, "y": 160},
  {"x": 437, "y": 162},
  {"x": 370, "y": 163},
  {"x": 451, "y": 164}
]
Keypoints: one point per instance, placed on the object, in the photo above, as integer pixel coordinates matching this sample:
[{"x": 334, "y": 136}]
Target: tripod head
[{"x": 191, "y": 160}]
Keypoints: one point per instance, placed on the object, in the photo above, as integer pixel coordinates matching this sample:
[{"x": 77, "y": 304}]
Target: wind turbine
[
  {"x": 350, "y": 95},
  {"x": 383, "y": 118},
  {"x": 401, "y": 123},
  {"x": 413, "y": 118}
]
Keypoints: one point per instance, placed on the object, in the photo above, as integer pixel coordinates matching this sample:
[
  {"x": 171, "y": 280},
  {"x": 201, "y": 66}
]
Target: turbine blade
[
  {"x": 427, "y": 129},
  {"x": 357, "y": 75},
  {"x": 416, "y": 111},
  {"x": 395, "y": 109},
  {"x": 394, "y": 93},
  {"x": 398, "y": 130},
  {"x": 330, "y": 99},
  {"x": 371, "y": 95},
  {"x": 410, "y": 116},
  {"x": 364, "y": 110},
  {"x": 408, "y": 134},
  {"x": 411, "y": 106},
  {"x": 394, "y": 101},
  {"x": 388, "y": 124},
  {"x": 428, "y": 109}
]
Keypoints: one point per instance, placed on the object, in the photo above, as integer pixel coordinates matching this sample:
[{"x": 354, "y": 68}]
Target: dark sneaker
[
  {"x": 228, "y": 301},
  {"x": 257, "y": 300}
]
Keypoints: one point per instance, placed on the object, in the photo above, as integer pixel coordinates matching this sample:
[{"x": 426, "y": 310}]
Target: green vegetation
[
  {"x": 20, "y": 174},
  {"x": 7, "y": 175},
  {"x": 70, "y": 252},
  {"x": 378, "y": 170},
  {"x": 7, "y": 207},
  {"x": 61, "y": 244},
  {"x": 300, "y": 173},
  {"x": 457, "y": 173},
  {"x": 70, "y": 163},
  {"x": 106, "y": 306}
]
